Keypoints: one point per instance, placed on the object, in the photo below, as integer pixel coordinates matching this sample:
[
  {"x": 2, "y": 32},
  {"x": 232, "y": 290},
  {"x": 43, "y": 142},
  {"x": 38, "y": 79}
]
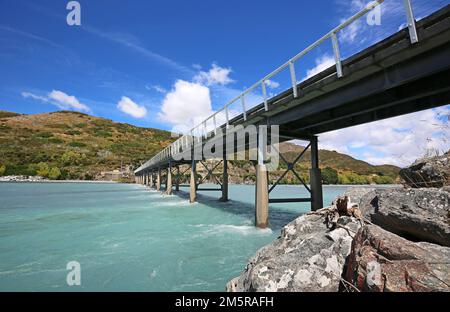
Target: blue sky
[{"x": 168, "y": 64}]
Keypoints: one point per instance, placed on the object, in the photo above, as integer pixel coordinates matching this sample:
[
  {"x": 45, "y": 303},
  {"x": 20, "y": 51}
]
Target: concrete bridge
[{"x": 405, "y": 73}]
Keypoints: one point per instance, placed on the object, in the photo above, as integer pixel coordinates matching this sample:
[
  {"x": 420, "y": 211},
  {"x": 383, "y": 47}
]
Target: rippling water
[{"x": 128, "y": 238}]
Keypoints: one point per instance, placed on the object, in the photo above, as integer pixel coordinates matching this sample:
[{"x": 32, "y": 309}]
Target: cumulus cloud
[
  {"x": 322, "y": 63},
  {"x": 215, "y": 76},
  {"x": 399, "y": 141},
  {"x": 186, "y": 105},
  {"x": 129, "y": 107},
  {"x": 60, "y": 99}
]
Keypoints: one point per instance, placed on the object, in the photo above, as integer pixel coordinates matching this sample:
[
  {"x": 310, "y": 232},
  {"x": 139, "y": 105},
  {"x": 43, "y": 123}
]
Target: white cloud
[
  {"x": 129, "y": 107},
  {"x": 215, "y": 76},
  {"x": 349, "y": 33},
  {"x": 322, "y": 63},
  {"x": 399, "y": 141},
  {"x": 272, "y": 84},
  {"x": 186, "y": 105},
  {"x": 65, "y": 101},
  {"x": 61, "y": 100},
  {"x": 156, "y": 88},
  {"x": 34, "y": 96}
]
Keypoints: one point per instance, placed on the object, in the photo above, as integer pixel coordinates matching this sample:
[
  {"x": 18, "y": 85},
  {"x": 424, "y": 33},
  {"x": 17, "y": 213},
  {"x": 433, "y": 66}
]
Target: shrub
[
  {"x": 73, "y": 132},
  {"x": 77, "y": 144},
  {"x": 330, "y": 176},
  {"x": 71, "y": 158},
  {"x": 44, "y": 135},
  {"x": 56, "y": 141},
  {"x": 353, "y": 178},
  {"x": 42, "y": 169},
  {"x": 2, "y": 169},
  {"x": 54, "y": 173},
  {"x": 383, "y": 180}
]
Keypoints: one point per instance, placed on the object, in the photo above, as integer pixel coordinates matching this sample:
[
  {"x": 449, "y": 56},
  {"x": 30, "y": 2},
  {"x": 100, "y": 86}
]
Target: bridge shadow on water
[{"x": 278, "y": 217}]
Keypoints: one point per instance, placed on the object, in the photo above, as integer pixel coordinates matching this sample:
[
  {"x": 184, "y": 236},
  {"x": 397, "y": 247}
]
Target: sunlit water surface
[{"x": 128, "y": 238}]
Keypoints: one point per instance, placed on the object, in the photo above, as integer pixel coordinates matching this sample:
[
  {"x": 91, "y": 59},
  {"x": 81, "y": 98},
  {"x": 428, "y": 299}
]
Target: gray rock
[
  {"x": 381, "y": 261},
  {"x": 428, "y": 172},
  {"x": 306, "y": 257},
  {"x": 416, "y": 214}
]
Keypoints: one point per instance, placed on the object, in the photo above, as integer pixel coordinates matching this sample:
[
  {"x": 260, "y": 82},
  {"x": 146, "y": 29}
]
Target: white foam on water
[{"x": 244, "y": 230}]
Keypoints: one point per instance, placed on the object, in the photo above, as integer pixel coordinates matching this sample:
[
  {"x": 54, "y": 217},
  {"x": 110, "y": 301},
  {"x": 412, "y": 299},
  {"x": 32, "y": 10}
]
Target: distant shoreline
[{"x": 63, "y": 181}]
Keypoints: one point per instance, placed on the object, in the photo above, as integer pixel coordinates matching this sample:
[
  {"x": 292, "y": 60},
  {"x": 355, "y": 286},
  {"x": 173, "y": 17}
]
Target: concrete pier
[
  {"x": 193, "y": 183},
  {"x": 315, "y": 177},
  {"x": 224, "y": 197},
  {"x": 169, "y": 180},
  {"x": 158, "y": 180},
  {"x": 262, "y": 198},
  {"x": 177, "y": 180}
]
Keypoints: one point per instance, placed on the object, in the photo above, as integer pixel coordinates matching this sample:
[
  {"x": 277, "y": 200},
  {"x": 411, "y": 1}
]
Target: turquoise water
[{"x": 128, "y": 238}]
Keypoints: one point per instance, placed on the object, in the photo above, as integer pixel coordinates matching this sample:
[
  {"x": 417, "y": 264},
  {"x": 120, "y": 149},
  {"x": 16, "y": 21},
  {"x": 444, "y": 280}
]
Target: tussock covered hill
[
  {"x": 79, "y": 145},
  {"x": 72, "y": 145}
]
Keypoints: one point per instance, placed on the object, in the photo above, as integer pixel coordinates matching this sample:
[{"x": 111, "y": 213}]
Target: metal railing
[{"x": 201, "y": 130}]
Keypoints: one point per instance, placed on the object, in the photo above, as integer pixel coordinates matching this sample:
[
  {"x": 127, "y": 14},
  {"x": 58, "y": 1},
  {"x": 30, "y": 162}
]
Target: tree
[
  {"x": 2, "y": 169},
  {"x": 72, "y": 158},
  {"x": 383, "y": 180},
  {"x": 42, "y": 169},
  {"x": 54, "y": 173},
  {"x": 330, "y": 176}
]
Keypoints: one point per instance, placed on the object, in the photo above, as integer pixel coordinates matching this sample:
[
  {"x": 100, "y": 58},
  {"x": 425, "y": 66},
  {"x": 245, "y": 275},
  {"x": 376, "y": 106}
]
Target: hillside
[
  {"x": 72, "y": 145},
  {"x": 81, "y": 146}
]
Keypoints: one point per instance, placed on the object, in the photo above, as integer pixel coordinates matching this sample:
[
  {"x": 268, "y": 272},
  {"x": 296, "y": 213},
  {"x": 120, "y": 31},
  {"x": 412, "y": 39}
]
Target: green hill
[
  {"x": 72, "y": 145},
  {"x": 81, "y": 146}
]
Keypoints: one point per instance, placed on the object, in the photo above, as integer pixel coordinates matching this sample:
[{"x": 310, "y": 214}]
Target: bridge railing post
[{"x": 411, "y": 22}]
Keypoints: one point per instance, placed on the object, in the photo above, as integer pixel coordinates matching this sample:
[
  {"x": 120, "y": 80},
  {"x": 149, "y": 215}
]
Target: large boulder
[
  {"x": 428, "y": 172},
  {"x": 416, "y": 214},
  {"x": 306, "y": 257},
  {"x": 383, "y": 261}
]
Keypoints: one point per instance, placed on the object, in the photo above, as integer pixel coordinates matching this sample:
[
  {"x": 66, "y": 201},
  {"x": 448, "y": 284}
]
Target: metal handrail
[{"x": 175, "y": 147}]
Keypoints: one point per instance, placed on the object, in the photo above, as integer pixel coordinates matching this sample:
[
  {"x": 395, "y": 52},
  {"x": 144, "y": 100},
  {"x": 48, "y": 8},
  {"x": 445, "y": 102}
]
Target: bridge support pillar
[
  {"x": 169, "y": 180},
  {"x": 224, "y": 197},
  {"x": 262, "y": 198},
  {"x": 315, "y": 177},
  {"x": 151, "y": 180},
  {"x": 177, "y": 180},
  {"x": 262, "y": 187},
  {"x": 193, "y": 183},
  {"x": 158, "y": 180}
]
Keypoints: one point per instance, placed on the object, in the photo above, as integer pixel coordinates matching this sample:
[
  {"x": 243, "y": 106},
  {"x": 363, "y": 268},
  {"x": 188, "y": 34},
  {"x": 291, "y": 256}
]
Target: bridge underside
[{"x": 389, "y": 79}]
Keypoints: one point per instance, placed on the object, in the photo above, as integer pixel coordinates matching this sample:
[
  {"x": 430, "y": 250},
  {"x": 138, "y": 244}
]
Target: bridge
[{"x": 407, "y": 72}]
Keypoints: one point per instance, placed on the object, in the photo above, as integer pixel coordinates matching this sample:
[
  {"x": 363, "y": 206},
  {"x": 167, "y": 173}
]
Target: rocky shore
[{"x": 369, "y": 239}]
